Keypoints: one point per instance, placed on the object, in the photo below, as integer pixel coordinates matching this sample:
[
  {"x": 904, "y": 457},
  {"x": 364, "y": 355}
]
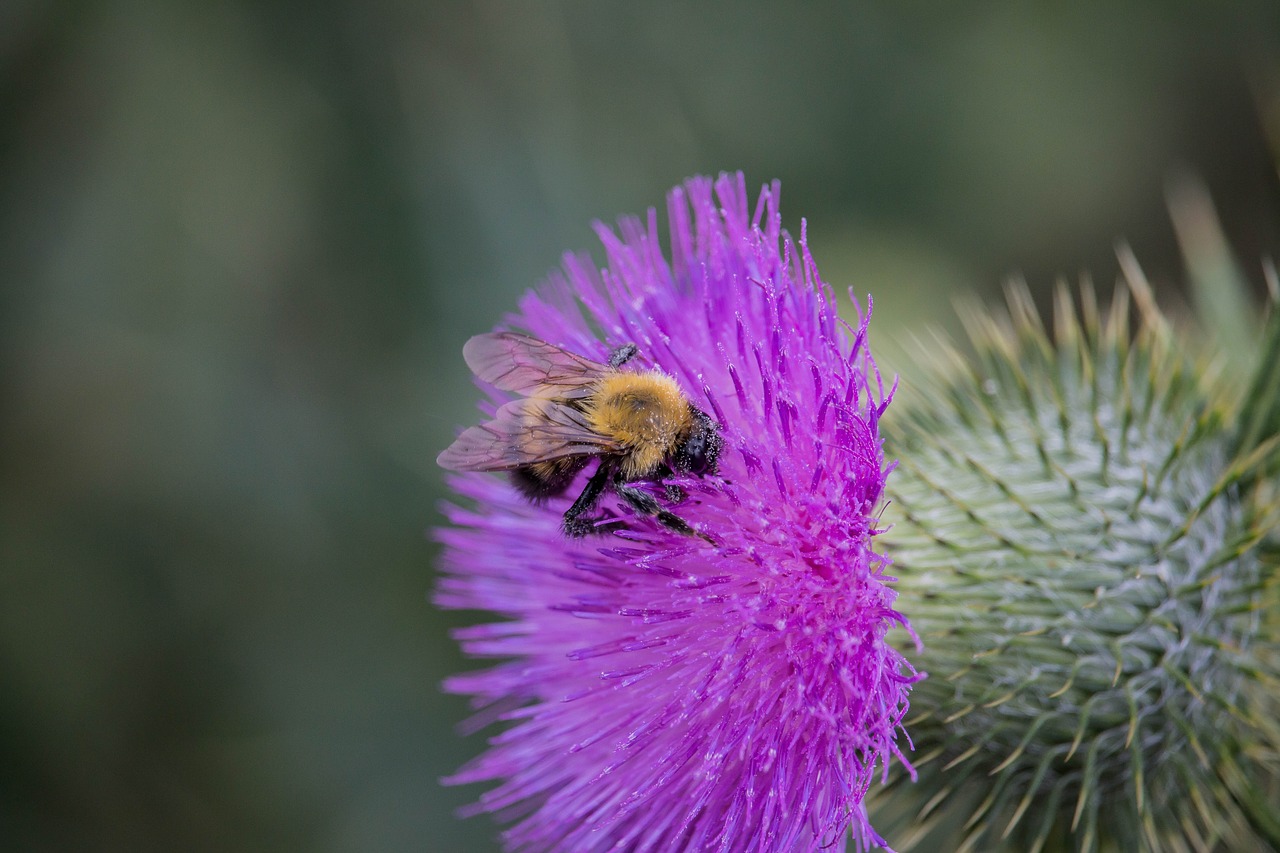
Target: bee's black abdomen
[{"x": 544, "y": 480}]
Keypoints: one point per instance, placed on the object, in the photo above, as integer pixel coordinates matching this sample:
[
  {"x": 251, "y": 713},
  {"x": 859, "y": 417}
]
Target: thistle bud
[{"x": 1080, "y": 528}]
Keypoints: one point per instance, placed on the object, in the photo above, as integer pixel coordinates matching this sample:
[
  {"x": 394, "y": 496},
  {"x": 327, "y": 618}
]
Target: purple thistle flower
[{"x": 661, "y": 692}]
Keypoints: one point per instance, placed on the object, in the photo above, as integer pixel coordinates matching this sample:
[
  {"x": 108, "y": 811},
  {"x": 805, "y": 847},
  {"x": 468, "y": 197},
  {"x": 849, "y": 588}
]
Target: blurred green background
[{"x": 242, "y": 244}]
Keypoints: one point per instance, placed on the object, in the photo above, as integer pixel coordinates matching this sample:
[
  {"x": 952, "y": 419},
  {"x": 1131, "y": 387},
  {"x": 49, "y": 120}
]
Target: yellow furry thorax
[{"x": 645, "y": 412}]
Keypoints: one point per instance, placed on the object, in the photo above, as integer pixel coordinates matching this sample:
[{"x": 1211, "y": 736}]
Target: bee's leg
[
  {"x": 673, "y": 493},
  {"x": 644, "y": 503},
  {"x": 622, "y": 355},
  {"x": 575, "y": 526}
]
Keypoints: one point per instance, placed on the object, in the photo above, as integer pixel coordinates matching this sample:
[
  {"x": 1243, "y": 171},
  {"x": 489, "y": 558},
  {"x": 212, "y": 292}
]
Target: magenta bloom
[{"x": 658, "y": 691}]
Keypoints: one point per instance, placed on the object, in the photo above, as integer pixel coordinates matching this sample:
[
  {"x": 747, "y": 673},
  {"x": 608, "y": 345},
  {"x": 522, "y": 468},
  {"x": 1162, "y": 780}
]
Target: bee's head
[{"x": 698, "y": 453}]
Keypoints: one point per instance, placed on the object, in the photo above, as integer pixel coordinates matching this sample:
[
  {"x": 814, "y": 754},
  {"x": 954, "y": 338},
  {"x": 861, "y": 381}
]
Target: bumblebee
[{"x": 639, "y": 425}]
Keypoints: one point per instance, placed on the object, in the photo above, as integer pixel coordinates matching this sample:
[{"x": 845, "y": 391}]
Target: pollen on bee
[{"x": 647, "y": 412}]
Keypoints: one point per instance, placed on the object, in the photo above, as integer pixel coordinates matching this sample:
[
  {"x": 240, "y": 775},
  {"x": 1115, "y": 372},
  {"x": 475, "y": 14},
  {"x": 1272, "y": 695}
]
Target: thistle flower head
[
  {"x": 1078, "y": 532},
  {"x": 661, "y": 691}
]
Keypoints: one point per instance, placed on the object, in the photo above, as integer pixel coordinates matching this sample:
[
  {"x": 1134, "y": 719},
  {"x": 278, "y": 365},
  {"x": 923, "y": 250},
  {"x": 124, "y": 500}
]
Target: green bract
[{"x": 1080, "y": 527}]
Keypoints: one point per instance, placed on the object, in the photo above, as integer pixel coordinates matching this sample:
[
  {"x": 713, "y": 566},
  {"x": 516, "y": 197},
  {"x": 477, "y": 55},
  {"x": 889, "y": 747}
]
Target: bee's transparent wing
[
  {"x": 514, "y": 362},
  {"x": 524, "y": 432}
]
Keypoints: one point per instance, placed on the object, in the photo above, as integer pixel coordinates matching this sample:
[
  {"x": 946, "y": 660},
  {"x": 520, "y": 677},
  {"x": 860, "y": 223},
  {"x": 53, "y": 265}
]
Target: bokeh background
[{"x": 241, "y": 245}]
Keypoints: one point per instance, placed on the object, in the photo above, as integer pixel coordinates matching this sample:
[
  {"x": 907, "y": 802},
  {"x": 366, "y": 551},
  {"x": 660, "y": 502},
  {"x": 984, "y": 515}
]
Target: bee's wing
[
  {"x": 525, "y": 365},
  {"x": 521, "y": 433}
]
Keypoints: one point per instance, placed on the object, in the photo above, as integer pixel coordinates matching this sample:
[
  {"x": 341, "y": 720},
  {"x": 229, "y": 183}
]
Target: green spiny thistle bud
[{"x": 1080, "y": 526}]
